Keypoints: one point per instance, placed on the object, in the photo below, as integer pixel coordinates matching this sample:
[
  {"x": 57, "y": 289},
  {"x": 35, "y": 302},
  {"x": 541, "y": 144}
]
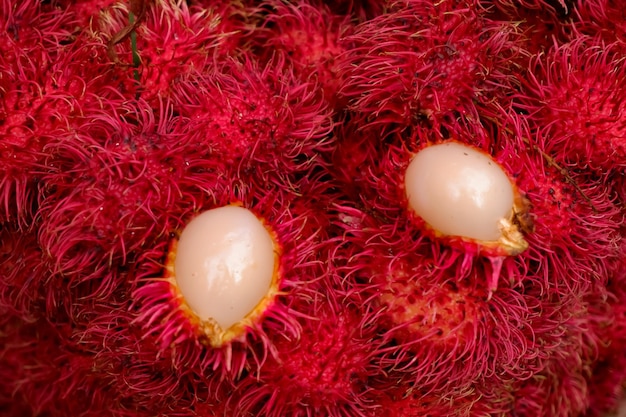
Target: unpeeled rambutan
[
  {"x": 425, "y": 60},
  {"x": 130, "y": 163},
  {"x": 34, "y": 88},
  {"x": 310, "y": 36},
  {"x": 449, "y": 327},
  {"x": 171, "y": 42},
  {"x": 586, "y": 129},
  {"x": 260, "y": 120},
  {"x": 43, "y": 373},
  {"x": 603, "y": 18},
  {"x": 325, "y": 370}
]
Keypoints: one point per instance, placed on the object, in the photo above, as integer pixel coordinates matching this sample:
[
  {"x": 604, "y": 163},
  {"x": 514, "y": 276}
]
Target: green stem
[{"x": 133, "y": 46}]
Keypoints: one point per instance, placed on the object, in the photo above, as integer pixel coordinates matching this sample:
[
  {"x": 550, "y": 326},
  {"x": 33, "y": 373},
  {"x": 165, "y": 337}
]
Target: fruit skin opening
[
  {"x": 209, "y": 330},
  {"x": 460, "y": 193}
]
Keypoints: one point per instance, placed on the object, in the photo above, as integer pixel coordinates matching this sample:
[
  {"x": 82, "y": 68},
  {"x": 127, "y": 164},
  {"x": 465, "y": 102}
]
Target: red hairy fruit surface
[
  {"x": 324, "y": 371},
  {"x": 608, "y": 377},
  {"x": 173, "y": 41},
  {"x": 131, "y": 164},
  {"x": 260, "y": 120},
  {"x": 87, "y": 12},
  {"x": 149, "y": 378},
  {"x": 425, "y": 60},
  {"x": 586, "y": 129},
  {"x": 447, "y": 339},
  {"x": 41, "y": 79},
  {"x": 358, "y": 10},
  {"x": 573, "y": 220},
  {"x": 310, "y": 36},
  {"x": 604, "y": 18},
  {"x": 44, "y": 374},
  {"x": 547, "y": 10},
  {"x": 23, "y": 274}
]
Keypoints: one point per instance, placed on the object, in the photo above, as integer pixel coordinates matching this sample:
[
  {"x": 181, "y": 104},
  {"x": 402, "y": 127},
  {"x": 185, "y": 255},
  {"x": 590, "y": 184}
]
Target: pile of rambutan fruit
[{"x": 341, "y": 208}]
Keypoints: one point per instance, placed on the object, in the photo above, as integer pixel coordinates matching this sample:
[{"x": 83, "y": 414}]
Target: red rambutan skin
[
  {"x": 603, "y": 18},
  {"x": 49, "y": 75},
  {"x": 43, "y": 373},
  {"x": 325, "y": 370},
  {"x": 358, "y": 10},
  {"x": 262, "y": 121},
  {"x": 607, "y": 379},
  {"x": 299, "y": 226},
  {"x": 23, "y": 274},
  {"x": 131, "y": 164},
  {"x": 87, "y": 12},
  {"x": 576, "y": 229},
  {"x": 586, "y": 129},
  {"x": 435, "y": 298},
  {"x": 426, "y": 61},
  {"x": 29, "y": 40},
  {"x": 547, "y": 10},
  {"x": 311, "y": 38},
  {"x": 173, "y": 41},
  {"x": 478, "y": 356}
]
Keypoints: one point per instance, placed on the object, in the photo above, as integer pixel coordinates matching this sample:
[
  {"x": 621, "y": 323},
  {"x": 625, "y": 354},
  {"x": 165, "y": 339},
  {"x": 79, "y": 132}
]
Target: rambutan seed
[
  {"x": 225, "y": 267},
  {"x": 461, "y": 191}
]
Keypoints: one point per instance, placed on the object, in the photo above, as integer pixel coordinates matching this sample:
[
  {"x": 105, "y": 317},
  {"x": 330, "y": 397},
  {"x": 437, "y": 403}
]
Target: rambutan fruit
[
  {"x": 467, "y": 403},
  {"x": 171, "y": 41},
  {"x": 544, "y": 9},
  {"x": 461, "y": 191},
  {"x": 42, "y": 374},
  {"x": 454, "y": 350},
  {"x": 29, "y": 41},
  {"x": 603, "y": 18},
  {"x": 607, "y": 378},
  {"x": 357, "y": 10},
  {"x": 49, "y": 76},
  {"x": 178, "y": 318},
  {"x": 87, "y": 12},
  {"x": 130, "y": 163},
  {"x": 262, "y": 121},
  {"x": 327, "y": 370},
  {"x": 586, "y": 129},
  {"x": 456, "y": 316},
  {"x": 310, "y": 36},
  {"x": 426, "y": 61},
  {"x": 537, "y": 29},
  {"x": 558, "y": 230},
  {"x": 22, "y": 273}
]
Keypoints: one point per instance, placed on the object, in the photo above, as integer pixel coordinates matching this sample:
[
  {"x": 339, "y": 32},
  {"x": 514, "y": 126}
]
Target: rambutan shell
[{"x": 583, "y": 130}]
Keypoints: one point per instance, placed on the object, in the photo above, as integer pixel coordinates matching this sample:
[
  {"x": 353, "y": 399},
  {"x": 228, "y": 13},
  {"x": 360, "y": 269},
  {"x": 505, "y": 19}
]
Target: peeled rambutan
[
  {"x": 456, "y": 315},
  {"x": 586, "y": 129},
  {"x": 235, "y": 337},
  {"x": 555, "y": 228},
  {"x": 426, "y": 61}
]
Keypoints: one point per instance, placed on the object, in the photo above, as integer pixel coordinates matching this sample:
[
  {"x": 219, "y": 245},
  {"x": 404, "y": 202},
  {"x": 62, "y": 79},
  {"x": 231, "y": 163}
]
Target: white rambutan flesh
[
  {"x": 460, "y": 191},
  {"x": 225, "y": 269}
]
